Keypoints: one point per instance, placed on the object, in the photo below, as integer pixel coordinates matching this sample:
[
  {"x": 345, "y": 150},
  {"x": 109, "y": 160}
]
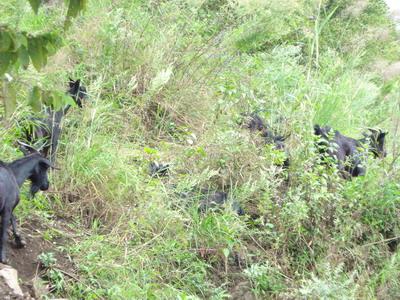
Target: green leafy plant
[
  {"x": 19, "y": 48},
  {"x": 47, "y": 260},
  {"x": 265, "y": 279}
]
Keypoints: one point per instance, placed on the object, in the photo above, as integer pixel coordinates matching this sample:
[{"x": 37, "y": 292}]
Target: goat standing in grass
[
  {"x": 347, "y": 151},
  {"x": 12, "y": 175},
  {"x": 49, "y": 128},
  {"x": 255, "y": 123},
  {"x": 375, "y": 139}
]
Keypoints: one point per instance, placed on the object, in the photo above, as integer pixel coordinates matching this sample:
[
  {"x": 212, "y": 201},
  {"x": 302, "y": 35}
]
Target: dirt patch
[
  {"x": 25, "y": 260},
  {"x": 229, "y": 273},
  {"x": 242, "y": 291}
]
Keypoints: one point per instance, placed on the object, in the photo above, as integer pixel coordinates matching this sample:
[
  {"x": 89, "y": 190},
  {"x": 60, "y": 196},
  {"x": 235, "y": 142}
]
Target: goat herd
[
  {"x": 348, "y": 153},
  {"x": 43, "y": 133}
]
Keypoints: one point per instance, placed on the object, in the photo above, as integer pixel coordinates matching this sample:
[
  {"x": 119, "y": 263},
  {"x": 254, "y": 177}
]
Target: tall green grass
[{"x": 167, "y": 81}]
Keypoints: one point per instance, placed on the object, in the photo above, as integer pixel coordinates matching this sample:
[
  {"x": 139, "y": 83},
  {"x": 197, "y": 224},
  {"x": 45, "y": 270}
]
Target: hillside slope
[{"x": 168, "y": 81}]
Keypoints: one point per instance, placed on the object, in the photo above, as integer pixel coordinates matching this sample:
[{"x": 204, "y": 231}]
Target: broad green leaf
[
  {"x": 150, "y": 150},
  {"x": 23, "y": 56},
  {"x": 6, "y": 60},
  {"x": 45, "y": 53},
  {"x": 35, "y": 5},
  {"x": 51, "y": 48},
  {"x": 57, "y": 98},
  {"x": 55, "y": 101},
  {"x": 52, "y": 42},
  {"x": 20, "y": 40},
  {"x": 35, "y": 51},
  {"x": 74, "y": 7},
  {"x": 14, "y": 43},
  {"x": 5, "y": 41},
  {"x": 67, "y": 100},
  {"x": 35, "y": 99},
  {"x": 10, "y": 99},
  {"x": 47, "y": 98},
  {"x": 226, "y": 252}
]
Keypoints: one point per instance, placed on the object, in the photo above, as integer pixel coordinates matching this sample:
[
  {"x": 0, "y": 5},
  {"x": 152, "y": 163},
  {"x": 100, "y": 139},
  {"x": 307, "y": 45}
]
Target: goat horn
[
  {"x": 23, "y": 144},
  {"x": 26, "y": 146},
  {"x": 374, "y": 130}
]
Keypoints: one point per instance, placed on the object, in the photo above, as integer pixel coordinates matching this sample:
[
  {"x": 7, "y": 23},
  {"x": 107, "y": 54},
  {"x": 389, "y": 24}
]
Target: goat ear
[
  {"x": 71, "y": 82},
  {"x": 374, "y": 131},
  {"x": 45, "y": 162}
]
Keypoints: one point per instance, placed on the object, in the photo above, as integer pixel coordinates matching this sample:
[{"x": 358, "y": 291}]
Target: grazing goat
[
  {"x": 375, "y": 139},
  {"x": 158, "y": 170},
  {"x": 347, "y": 151},
  {"x": 255, "y": 123},
  {"x": 212, "y": 200},
  {"x": 12, "y": 175},
  {"x": 48, "y": 129}
]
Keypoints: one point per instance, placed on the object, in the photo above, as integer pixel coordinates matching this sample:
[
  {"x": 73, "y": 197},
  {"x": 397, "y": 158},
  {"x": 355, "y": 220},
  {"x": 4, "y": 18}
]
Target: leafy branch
[{"x": 20, "y": 48}]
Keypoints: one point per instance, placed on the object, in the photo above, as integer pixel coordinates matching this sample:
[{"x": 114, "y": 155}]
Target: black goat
[
  {"x": 12, "y": 175},
  {"x": 158, "y": 170},
  {"x": 213, "y": 200},
  {"x": 347, "y": 151},
  {"x": 47, "y": 130},
  {"x": 375, "y": 139},
  {"x": 255, "y": 123}
]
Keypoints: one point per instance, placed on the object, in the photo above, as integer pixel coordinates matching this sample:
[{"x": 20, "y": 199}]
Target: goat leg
[
  {"x": 5, "y": 221},
  {"x": 19, "y": 241}
]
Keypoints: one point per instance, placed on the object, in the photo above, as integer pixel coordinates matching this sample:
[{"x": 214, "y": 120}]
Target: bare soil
[{"x": 26, "y": 262}]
